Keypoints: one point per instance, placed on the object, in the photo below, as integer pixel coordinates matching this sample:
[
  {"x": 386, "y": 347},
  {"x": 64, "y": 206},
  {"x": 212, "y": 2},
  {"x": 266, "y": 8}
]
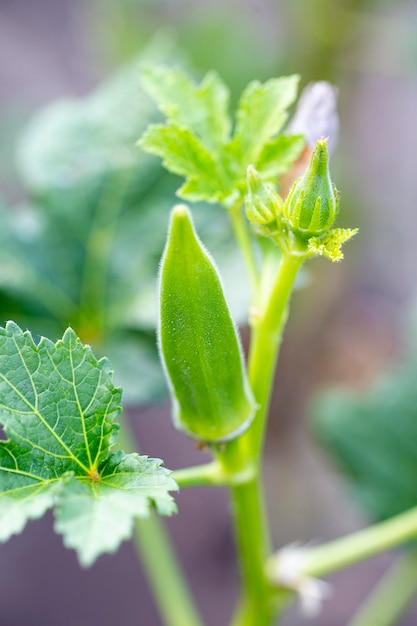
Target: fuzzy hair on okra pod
[{"x": 198, "y": 341}]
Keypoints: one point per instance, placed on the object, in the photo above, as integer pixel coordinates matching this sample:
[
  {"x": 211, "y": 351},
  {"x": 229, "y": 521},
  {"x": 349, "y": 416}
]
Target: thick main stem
[
  {"x": 252, "y": 538},
  {"x": 268, "y": 325},
  {"x": 252, "y": 534}
]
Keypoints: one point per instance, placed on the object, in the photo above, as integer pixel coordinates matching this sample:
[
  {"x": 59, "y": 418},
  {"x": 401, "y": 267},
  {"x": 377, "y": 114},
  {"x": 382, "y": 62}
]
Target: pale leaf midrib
[{"x": 80, "y": 410}]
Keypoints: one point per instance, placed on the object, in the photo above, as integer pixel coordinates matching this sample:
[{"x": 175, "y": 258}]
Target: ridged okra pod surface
[{"x": 198, "y": 341}]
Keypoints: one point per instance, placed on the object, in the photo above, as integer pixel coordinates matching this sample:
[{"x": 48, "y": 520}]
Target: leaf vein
[
  {"x": 80, "y": 410},
  {"x": 42, "y": 420}
]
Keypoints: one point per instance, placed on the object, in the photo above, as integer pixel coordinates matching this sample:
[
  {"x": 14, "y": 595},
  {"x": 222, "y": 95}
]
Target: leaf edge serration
[{"x": 137, "y": 475}]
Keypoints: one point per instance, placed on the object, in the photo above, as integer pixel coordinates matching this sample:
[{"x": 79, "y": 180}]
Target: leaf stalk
[
  {"x": 391, "y": 598},
  {"x": 212, "y": 474},
  {"x": 242, "y": 235},
  {"x": 341, "y": 553}
]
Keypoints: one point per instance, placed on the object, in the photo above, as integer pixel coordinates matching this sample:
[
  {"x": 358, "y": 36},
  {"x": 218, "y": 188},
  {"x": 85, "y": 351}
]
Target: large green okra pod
[{"x": 198, "y": 341}]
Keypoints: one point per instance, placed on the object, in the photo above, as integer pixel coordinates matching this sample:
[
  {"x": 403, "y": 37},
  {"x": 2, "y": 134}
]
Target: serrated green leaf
[
  {"x": 18, "y": 504},
  {"x": 278, "y": 155},
  {"x": 372, "y": 436},
  {"x": 94, "y": 517},
  {"x": 184, "y": 154},
  {"x": 202, "y": 109},
  {"x": 57, "y": 407},
  {"x": 199, "y": 345},
  {"x": 261, "y": 114}
]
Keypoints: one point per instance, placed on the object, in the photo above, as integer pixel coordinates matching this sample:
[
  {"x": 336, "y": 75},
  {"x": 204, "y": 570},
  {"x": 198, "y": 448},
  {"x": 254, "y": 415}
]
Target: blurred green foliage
[
  {"x": 243, "y": 40},
  {"x": 84, "y": 249},
  {"x": 372, "y": 436},
  {"x": 220, "y": 35}
]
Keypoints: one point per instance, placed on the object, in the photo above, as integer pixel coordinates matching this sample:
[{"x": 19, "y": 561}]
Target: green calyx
[
  {"x": 263, "y": 205},
  {"x": 312, "y": 205}
]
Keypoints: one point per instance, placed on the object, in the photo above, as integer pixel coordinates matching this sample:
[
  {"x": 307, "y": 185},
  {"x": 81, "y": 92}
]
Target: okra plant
[{"x": 59, "y": 407}]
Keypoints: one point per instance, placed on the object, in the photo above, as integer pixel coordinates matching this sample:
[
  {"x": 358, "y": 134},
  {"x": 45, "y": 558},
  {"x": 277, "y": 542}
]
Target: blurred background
[{"x": 83, "y": 221}]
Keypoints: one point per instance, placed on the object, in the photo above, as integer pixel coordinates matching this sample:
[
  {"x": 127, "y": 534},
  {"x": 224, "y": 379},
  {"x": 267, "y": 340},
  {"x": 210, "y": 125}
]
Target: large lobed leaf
[
  {"x": 92, "y": 231},
  {"x": 85, "y": 249},
  {"x": 57, "y": 407}
]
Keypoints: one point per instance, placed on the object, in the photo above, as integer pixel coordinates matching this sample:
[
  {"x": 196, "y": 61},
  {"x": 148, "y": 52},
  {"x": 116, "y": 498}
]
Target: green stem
[
  {"x": 160, "y": 563},
  {"x": 257, "y": 605},
  {"x": 252, "y": 539},
  {"x": 238, "y": 463},
  {"x": 164, "y": 574},
  {"x": 361, "y": 545},
  {"x": 393, "y": 595},
  {"x": 242, "y": 234},
  {"x": 211, "y": 474},
  {"x": 268, "y": 325},
  {"x": 200, "y": 476}
]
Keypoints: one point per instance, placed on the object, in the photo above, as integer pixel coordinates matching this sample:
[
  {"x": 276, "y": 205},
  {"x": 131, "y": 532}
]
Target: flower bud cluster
[{"x": 309, "y": 210}]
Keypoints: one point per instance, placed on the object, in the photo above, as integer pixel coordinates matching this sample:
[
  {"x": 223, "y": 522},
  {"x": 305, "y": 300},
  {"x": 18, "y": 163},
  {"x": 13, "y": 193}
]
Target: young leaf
[
  {"x": 202, "y": 109},
  {"x": 184, "y": 154},
  {"x": 199, "y": 345},
  {"x": 199, "y": 114},
  {"x": 57, "y": 407},
  {"x": 261, "y": 115},
  {"x": 278, "y": 155}
]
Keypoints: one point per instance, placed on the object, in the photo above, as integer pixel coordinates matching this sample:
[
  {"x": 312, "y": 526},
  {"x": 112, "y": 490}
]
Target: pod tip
[{"x": 180, "y": 210}]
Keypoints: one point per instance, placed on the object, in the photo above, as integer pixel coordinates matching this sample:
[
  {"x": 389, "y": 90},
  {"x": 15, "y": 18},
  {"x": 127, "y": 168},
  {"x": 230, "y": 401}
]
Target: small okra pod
[{"x": 198, "y": 341}]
